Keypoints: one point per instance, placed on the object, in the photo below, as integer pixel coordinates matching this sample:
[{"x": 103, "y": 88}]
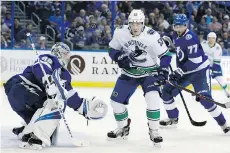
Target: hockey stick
[
  {"x": 224, "y": 105},
  {"x": 195, "y": 123},
  {"x": 75, "y": 142}
]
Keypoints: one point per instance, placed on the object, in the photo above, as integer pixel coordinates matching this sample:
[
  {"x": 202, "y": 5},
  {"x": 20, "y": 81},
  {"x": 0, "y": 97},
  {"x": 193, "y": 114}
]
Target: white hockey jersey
[
  {"x": 214, "y": 53},
  {"x": 144, "y": 51}
]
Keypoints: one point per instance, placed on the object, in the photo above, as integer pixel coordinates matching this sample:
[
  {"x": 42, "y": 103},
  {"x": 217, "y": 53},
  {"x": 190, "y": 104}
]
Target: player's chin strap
[
  {"x": 224, "y": 105},
  {"x": 56, "y": 78}
]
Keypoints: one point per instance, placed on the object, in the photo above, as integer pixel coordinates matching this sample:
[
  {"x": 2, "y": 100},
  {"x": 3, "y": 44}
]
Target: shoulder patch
[
  {"x": 188, "y": 37},
  {"x": 151, "y": 31},
  {"x": 217, "y": 47},
  {"x": 47, "y": 60}
]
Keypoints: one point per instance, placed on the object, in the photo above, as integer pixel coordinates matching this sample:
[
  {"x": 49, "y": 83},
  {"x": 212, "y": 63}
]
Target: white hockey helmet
[
  {"x": 136, "y": 16},
  {"x": 62, "y": 52},
  {"x": 211, "y": 38},
  {"x": 136, "y": 21},
  {"x": 211, "y": 35}
]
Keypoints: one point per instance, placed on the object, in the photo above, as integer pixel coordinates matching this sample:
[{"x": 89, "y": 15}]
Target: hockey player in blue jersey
[
  {"x": 30, "y": 96},
  {"x": 192, "y": 68}
]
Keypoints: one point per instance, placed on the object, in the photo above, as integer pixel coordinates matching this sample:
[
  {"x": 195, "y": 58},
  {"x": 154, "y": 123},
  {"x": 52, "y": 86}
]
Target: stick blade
[{"x": 199, "y": 123}]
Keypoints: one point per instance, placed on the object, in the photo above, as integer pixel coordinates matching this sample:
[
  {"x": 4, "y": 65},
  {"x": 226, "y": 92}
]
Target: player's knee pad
[
  {"x": 168, "y": 92},
  {"x": 207, "y": 104},
  {"x": 153, "y": 100},
  {"x": 118, "y": 107}
]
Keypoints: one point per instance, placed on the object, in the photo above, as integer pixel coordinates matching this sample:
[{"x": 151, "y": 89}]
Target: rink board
[{"x": 93, "y": 69}]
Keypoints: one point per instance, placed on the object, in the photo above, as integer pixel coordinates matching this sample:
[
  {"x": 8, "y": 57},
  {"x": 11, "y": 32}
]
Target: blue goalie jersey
[
  {"x": 190, "y": 54},
  {"x": 33, "y": 76}
]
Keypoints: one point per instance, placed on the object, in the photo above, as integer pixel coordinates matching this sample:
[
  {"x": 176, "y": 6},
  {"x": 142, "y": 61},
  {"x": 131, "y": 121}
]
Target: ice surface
[{"x": 185, "y": 139}]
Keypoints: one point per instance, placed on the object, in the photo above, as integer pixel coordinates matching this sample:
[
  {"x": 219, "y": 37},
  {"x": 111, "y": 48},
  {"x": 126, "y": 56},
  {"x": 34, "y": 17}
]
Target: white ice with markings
[{"x": 185, "y": 139}]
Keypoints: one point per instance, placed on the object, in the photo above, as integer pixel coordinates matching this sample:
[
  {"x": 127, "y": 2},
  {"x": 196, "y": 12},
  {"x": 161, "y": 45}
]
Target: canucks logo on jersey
[{"x": 138, "y": 55}]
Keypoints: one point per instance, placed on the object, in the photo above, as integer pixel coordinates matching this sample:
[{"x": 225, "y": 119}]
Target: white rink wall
[{"x": 92, "y": 69}]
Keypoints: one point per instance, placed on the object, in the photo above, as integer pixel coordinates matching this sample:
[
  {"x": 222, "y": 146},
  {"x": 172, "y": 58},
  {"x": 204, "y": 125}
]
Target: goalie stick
[
  {"x": 195, "y": 123},
  {"x": 75, "y": 142}
]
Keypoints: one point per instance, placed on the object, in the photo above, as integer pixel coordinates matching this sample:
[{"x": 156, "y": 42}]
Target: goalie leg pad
[{"x": 44, "y": 122}]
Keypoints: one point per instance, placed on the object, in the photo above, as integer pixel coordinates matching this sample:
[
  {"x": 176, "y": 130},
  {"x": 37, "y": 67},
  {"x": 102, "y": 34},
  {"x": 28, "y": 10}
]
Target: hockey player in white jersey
[
  {"x": 139, "y": 52},
  {"x": 214, "y": 52}
]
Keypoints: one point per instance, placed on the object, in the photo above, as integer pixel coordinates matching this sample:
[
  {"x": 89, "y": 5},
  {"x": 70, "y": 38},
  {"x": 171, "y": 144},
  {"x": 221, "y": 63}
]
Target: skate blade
[
  {"x": 227, "y": 134},
  {"x": 26, "y": 145},
  {"x": 157, "y": 145},
  {"x": 117, "y": 139},
  {"x": 173, "y": 126}
]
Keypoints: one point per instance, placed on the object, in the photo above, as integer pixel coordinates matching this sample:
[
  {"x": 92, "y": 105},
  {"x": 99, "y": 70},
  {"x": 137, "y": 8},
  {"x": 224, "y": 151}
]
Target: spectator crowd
[{"x": 88, "y": 25}]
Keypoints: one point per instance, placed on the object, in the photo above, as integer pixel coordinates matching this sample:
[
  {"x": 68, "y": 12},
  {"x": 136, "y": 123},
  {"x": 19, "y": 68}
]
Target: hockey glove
[
  {"x": 52, "y": 89},
  {"x": 93, "y": 109},
  {"x": 216, "y": 70},
  {"x": 123, "y": 61},
  {"x": 162, "y": 76},
  {"x": 176, "y": 75},
  {"x": 169, "y": 43}
]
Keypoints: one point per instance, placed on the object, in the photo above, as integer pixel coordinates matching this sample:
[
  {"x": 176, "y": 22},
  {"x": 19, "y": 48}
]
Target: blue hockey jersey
[
  {"x": 33, "y": 75},
  {"x": 190, "y": 54}
]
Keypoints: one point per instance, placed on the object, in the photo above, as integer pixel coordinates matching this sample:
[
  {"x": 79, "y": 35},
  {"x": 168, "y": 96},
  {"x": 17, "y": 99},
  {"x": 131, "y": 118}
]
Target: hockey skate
[
  {"x": 226, "y": 129},
  {"x": 30, "y": 141},
  {"x": 169, "y": 123},
  {"x": 119, "y": 133},
  {"x": 155, "y": 137}
]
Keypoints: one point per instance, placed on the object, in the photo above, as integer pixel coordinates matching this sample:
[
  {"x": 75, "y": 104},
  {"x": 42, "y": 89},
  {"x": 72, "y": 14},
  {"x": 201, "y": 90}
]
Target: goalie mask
[
  {"x": 136, "y": 22},
  {"x": 62, "y": 52}
]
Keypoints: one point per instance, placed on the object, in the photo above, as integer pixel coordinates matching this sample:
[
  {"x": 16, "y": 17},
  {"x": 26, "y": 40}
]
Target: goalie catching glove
[{"x": 93, "y": 109}]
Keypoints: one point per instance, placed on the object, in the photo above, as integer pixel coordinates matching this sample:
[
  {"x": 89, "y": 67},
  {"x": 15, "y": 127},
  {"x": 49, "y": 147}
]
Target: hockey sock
[
  {"x": 120, "y": 113},
  {"x": 171, "y": 108},
  {"x": 217, "y": 115},
  {"x": 222, "y": 83},
  {"x": 153, "y": 101}
]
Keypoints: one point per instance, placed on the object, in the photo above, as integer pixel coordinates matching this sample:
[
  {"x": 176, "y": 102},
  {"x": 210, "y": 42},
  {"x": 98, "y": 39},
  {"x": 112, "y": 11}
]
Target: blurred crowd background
[{"x": 90, "y": 25}]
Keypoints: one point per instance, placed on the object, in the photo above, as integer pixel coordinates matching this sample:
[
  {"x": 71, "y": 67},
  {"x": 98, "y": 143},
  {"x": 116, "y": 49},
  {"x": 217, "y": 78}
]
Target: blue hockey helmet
[{"x": 180, "y": 19}]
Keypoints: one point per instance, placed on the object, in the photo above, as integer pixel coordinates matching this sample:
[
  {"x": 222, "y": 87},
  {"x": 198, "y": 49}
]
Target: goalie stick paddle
[{"x": 195, "y": 123}]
